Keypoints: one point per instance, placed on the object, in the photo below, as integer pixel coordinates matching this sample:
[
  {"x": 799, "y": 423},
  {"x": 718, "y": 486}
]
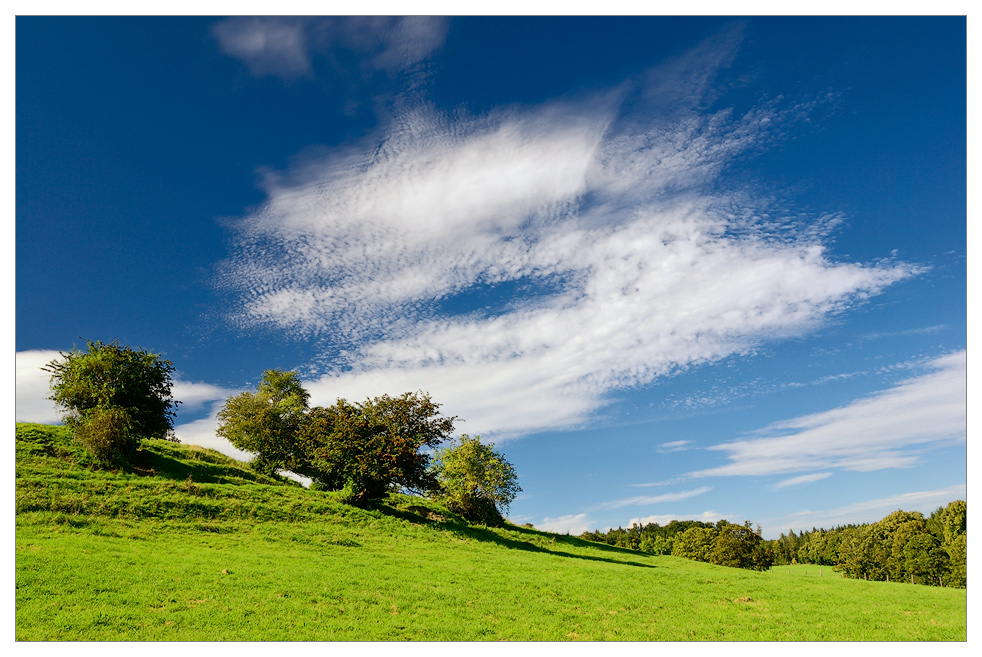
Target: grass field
[{"x": 190, "y": 545}]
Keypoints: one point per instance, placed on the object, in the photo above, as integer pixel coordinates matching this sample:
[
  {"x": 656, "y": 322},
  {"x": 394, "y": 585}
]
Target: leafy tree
[
  {"x": 268, "y": 422},
  {"x": 854, "y": 557},
  {"x": 948, "y": 523},
  {"x": 924, "y": 560},
  {"x": 878, "y": 545},
  {"x": 371, "y": 448},
  {"x": 475, "y": 480},
  {"x": 739, "y": 547},
  {"x": 113, "y": 396},
  {"x": 899, "y": 561},
  {"x": 695, "y": 543},
  {"x": 957, "y": 552}
]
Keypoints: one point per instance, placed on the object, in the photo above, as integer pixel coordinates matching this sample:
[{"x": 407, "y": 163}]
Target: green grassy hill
[{"x": 190, "y": 545}]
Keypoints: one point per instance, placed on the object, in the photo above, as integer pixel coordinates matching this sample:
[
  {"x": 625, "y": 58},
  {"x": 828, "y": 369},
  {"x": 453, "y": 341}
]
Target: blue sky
[{"x": 673, "y": 267}]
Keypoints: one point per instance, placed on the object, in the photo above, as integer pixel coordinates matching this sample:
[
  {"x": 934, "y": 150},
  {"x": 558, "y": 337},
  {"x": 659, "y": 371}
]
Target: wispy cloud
[
  {"x": 802, "y": 480},
  {"x": 267, "y": 45},
  {"x": 285, "y": 46},
  {"x": 674, "y": 446},
  {"x": 927, "y": 330},
  {"x": 652, "y": 499},
  {"x": 863, "y": 512},
  {"x": 886, "y": 430},
  {"x": 639, "y": 265}
]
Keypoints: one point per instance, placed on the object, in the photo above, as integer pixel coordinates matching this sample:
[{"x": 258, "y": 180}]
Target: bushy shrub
[
  {"x": 107, "y": 434},
  {"x": 113, "y": 396}
]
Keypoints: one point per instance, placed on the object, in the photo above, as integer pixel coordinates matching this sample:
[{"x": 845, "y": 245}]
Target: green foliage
[
  {"x": 695, "y": 543},
  {"x": 108, "y": 434},
  {"x": 901, "y": 547},
  {"x": 957, "y": 552},
  {"x": 112, "y": 397},
  {"x": 651, "y": 538},
  {"x": 369, "y": 449},
  {"x": 475, "y": 480},
  {"x": 725, "y": 544},
  {"x": 268, "y": 422},
  {"x": 739, "y": 547},
  {"x": 655, "y": 544}
]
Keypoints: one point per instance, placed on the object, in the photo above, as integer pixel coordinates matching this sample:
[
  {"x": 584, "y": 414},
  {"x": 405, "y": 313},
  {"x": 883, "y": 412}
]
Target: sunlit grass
[{"x": 103, "y": 556}]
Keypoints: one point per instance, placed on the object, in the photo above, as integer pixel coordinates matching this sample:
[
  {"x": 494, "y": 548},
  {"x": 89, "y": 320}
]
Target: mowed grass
[{"x": 135, "y": 555}]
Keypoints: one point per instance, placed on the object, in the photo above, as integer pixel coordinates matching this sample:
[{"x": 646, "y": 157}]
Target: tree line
[
  {"x": 113, "y": 397},
  {"x": 902, "y": 547},
  {"x": 722, "y": 543}
]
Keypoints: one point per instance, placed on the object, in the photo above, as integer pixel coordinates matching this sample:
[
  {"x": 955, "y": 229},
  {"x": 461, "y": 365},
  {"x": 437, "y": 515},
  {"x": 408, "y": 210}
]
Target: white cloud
[
  {"x": 284, "y": 46},
  {"x": 640, "y": 265},
  {"x": 673, "y": 446},
  {"x": 33, "y": 388},
  {"x": 803, "y": 479},
  {"x": 394, "y": 43},
  {"x": 267, "y": 45},
  {"x": 571, "y": 524},
  {"x": 202, "y": 432},
  {"x": 863, "y": 512},
  {"x": 653, "y": 499},
  {"x": 886, "y": 430},
  {"x": 194, "y": 396}
]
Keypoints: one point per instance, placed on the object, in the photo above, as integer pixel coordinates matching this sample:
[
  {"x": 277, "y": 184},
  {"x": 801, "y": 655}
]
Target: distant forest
[{"x": 902, "y": 547}]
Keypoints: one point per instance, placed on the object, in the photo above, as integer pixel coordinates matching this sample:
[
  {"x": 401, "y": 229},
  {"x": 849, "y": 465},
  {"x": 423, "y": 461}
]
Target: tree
[
  {"x": 371, "y": 448},
  {"x": 475, "y": 480},
  {"x": 268, "y": 422},
  {"x": 655, "y": 544},
  {"x": 924, "y": 560},
  {"x": 694, "y": 543},
  {"x": 739, "y": 547},
  {"x": 948, "y": 525},
  {"x": 113, "y": 396}
]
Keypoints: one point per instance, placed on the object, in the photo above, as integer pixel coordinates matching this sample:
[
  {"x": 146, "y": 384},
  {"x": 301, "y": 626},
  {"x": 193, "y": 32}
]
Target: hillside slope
[{"x": 191, "y": 545}]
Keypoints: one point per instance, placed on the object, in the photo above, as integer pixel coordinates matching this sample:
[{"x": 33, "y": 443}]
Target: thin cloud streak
[
  {"x": 641, "y": 266},
  {"x": 652, "y": 499},
  {"x": 886, "y": 430},
  {"x": 802, "y": 480}
]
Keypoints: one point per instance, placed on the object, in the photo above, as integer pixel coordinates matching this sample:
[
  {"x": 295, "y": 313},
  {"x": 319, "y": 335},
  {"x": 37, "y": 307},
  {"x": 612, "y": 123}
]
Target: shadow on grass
[{"x": 457, "y": 526}]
